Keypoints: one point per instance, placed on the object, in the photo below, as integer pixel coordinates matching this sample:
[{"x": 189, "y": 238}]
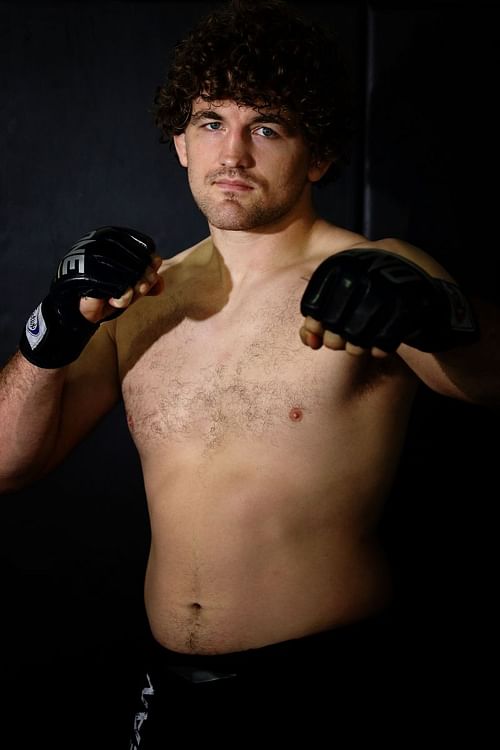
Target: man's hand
[
  {"x": 373, "y": 301},
  {"x": 149, "y": 285},
  {"x": 103, "y": 273}
]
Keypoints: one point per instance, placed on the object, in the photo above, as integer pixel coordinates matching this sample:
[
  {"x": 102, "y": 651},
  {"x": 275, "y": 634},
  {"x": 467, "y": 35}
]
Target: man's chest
[{"x": 241, "y": 373}]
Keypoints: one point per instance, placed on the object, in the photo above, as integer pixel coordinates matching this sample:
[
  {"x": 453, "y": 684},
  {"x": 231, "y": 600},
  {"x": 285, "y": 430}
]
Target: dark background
[{"x": 78, "y": 149}]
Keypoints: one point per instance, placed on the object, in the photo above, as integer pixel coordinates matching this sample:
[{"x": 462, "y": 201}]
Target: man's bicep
[{"x": 91, "y": 390}]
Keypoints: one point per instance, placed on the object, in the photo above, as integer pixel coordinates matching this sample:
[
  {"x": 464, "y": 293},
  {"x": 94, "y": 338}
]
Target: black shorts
[{"x": 350, "y": 677}]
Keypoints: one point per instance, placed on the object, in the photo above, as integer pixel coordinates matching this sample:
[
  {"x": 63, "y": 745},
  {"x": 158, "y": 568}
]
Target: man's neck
[{"x": 266, "y": 249}]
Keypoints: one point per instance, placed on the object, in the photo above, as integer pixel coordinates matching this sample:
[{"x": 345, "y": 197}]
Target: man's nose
[{"x": 236, "y": 150}]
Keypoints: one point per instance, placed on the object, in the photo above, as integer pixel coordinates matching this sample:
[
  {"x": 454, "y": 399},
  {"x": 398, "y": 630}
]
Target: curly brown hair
[{"x": 262, "y": 54}]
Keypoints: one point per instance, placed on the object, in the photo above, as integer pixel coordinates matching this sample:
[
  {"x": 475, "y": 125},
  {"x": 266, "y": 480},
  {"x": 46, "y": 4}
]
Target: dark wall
[
  {"x": 78, "y": 149},
  {"x": 431, "y": 161},
  {"x": 430, "y": 157}
]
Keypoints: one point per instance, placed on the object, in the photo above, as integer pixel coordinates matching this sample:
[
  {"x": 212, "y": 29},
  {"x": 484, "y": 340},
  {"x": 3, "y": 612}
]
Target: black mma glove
[
  {"x": 374, "y": 298},
  {"x": 102, "y": 264}
]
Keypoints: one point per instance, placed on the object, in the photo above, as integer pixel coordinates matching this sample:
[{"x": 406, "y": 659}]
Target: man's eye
[
  {"x": 266, "y": 132},
  {"x": 212, "y": 125}
]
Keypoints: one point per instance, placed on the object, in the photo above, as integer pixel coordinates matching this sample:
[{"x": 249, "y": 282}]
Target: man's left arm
[
  {"x": 388, "y": 296},
  {"x": 470, "y": 372}
]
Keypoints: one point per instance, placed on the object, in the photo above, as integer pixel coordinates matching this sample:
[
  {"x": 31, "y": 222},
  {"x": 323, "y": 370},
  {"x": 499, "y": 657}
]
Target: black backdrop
[{"x": 79, "y": 150}]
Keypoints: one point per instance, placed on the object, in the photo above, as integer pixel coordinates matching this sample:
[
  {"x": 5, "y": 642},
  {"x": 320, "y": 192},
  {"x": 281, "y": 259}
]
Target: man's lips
[{"x": 233, "y": 185}]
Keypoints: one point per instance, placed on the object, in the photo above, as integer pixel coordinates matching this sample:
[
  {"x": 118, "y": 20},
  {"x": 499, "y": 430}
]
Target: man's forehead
[{"x": 202, "y": 105}]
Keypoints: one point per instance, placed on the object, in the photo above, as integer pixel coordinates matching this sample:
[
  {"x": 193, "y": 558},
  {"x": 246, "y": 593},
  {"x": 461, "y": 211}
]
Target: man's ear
[
  {"x": 318, "y": 168},
  {"x": 180, "y": 147}
]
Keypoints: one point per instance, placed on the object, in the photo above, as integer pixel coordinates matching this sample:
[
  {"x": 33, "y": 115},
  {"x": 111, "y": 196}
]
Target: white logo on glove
[
  {"x": 35, "y": 327},
  {"x": 75, "y": 259},
  {"x": 72, "y": 262}
]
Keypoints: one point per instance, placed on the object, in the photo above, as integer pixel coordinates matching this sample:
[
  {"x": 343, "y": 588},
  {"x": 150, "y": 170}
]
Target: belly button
[{"x": 295, "y": 414}]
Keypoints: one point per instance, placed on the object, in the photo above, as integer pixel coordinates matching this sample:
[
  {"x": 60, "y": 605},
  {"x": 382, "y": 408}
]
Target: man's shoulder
[
  {"x": 408, "y": 252},
  {"x": 327, "y": 239},
  {"x": 334, "y": 239},
  {"x": 330, "y": 239},
  {"x": 180, "y": 256}
]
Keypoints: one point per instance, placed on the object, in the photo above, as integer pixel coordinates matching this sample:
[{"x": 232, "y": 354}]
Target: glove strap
[{"x": 49, "y": 342}]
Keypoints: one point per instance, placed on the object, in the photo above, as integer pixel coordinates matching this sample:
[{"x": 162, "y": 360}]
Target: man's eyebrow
[
  {"x": 207, "y": 114},
  {"x": 272, "y": 117}
]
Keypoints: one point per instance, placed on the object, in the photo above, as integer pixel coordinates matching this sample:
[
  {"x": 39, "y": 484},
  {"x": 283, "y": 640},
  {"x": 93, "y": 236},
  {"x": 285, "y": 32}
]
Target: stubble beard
[{"x": 232, "y": 213}]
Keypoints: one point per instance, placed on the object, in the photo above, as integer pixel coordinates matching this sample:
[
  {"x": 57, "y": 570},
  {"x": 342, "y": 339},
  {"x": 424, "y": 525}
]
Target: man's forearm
[
  {"x": 30, "y": 406},
  {"x": 471, "y": 373},
  {"x": 475, "y": 370}
]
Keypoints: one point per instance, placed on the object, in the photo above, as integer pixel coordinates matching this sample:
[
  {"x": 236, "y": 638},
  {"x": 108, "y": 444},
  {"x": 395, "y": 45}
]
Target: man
[{"x": 268, "y": 375}]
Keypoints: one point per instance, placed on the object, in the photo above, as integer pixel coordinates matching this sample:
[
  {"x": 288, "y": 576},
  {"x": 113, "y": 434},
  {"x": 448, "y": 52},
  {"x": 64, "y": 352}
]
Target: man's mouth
[{"x": 233, "y": 185}]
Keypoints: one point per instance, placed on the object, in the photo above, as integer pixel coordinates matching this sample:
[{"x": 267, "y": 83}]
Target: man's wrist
[{"x": 49, "y": 340}]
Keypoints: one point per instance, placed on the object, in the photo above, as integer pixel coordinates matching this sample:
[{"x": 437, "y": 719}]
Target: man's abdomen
[{"x": 241, "y": 564}]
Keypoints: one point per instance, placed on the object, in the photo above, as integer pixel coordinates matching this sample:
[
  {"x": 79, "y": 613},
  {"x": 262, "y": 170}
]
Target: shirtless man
[{"x": 268, "y": 441}]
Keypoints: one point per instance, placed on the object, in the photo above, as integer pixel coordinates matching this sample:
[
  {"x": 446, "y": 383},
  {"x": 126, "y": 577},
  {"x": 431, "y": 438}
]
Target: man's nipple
[{"x": 296, "y": 414}]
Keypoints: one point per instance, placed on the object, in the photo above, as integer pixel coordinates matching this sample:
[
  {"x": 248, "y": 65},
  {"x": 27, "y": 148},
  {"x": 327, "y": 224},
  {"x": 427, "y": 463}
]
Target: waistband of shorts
[{"x": 368, "y": 632}]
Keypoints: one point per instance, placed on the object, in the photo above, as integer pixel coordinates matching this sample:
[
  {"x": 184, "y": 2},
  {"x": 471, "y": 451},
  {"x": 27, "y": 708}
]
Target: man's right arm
[
  {"x": 65, "y": 376},
  {"x": 45, "y": 412}
]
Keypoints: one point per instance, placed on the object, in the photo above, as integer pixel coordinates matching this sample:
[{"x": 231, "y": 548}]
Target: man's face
[{"x": 246, "y": 168}]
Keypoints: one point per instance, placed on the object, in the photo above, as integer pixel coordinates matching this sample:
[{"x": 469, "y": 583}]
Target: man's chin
[
  {"x": 235, "y": 226},
  {"x": 235, "y": 219}
]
